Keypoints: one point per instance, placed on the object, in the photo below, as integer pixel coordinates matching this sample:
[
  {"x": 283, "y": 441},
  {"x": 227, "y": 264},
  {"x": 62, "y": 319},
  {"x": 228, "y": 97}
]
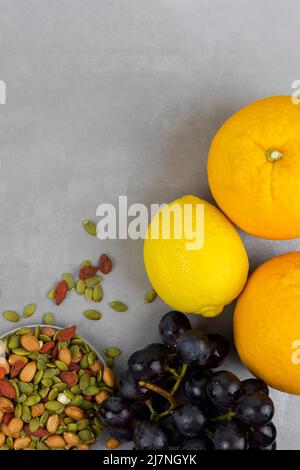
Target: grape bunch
[{"x": 171, "y": 398}]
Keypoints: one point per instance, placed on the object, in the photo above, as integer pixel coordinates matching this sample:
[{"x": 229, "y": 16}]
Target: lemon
[{"x": 196, "y": 279}]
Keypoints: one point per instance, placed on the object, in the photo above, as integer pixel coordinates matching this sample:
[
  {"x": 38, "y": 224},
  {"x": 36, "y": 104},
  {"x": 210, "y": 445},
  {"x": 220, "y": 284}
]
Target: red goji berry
[
  {"x": 16, "y": 368},
  {"x": 7, "y": 417},
  {"x": 2, "y": 373},
  {"x": 54, "y": 352},
  {"x": 105, "y": 264},
  {"x": 47, "y": 347},
  {"x": 87, "y": 271},
  {"x": 88, "y": 397},
  {"x": 7, "y": 390},
  {"x": 60, "y": 292},
  {"x": 70, "y": 378},
  {"x": 74, "y": 366},
  {"x": 67, "y": 334}
]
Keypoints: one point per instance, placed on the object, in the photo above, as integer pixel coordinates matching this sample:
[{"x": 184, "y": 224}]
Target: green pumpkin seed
[
  {"x": 69, "y": 278},
  {"x": 112, "y": 352},
  {"x": 11, "y": 315},
  {"x": 14, "y": 342},
  {"x": 76, "y": 341},
  {"x": 25, "y": 387},
  {"x": 76, "y": 390},
  {"x": 82, "y": 424},
  {"x": 26, "y": 415},
  {"x": 24, "y": 331},
  {"x": 92, "y": 315},
  {"x": 45, "y": 338},
  {"x": 37, "y": 331},
  {"x": 69, "y": 394},
  {"x": 44, "y": 392},
  {"x": 53, "y": 406},
  {"x": 97, "y": 293},
  {"x": 34, "y": 399},
  {"x": 53, "y": 394},
  {"x": 77, "y": 400},
  {"x": 34, "y": 424},
  {"x": 93, "y": 281},
  {"x": 50, "y": 373},
  {"x": 84, "y": 382},
  {"x": 18, "y": 410},
  {"x": 61, "y": 365},
  {"x": 41, "y": 446},
  {"x": 84, "y": 363},
  {"x": 38, "y": 377},
  {"x": 86, "y": 405},
  {"x": 33, "y": 355},
  {"x": 88, "y": 294},
  {"x": 51, "y": 294},
  {"x": 21, "y": 398},
  {"x": 118, "y": 306},
  {"x": 10, "y": 443},
  {"x": 29, "y": 310},
  {"x": 60, "y": 386},
  {"x": 72, "y": 427},
  {"x": 150, "y": 296},
  {"x": 80, "y": 287},
  {"x": 90, "y": 227},
  {"x": 99, "y": 376},
  {"x": 21, "y": 352},
  {"x": 86, "y": 435},
  {"x": 91, "y": 391},
  {"x": 74, "y": 350},
  {"x": 44, "y": 418},
  {"x": 85, "y": 263},
  {"x": 91, "y": 358},
  {"x": 49, "y": 319},
  {"x": 47, "y": 382},
  {"x": 109, "y": 361}
]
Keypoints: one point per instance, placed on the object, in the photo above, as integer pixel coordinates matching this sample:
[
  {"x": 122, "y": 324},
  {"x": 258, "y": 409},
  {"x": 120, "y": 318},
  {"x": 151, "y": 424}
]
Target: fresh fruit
[
  {"x": 254, "y": 409},
  {"x": 254, "y": 169},
  {"x": 150, "y": 436},
  {"x": 261, "y": 437},
  {"x": 147, "y": 364},
  {"x": 196, "y": 384},
  {"x": 190, "y": 419},
  {"x": 216, "y": 410},
  {"x": 267, "y": 323},
  {"x": 228, "y": 436},
  {"x": 193, "y": 348},
  {"x": 172, "y": 326},
  {"x": 222, "y": 389},
  {"x": 201, "y": 280}
]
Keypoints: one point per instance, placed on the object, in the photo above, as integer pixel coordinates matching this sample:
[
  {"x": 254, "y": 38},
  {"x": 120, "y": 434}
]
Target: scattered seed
[
  {"x": 90, "y": 227},
  {"x": 92, "y": 314},
  {"x": 29, "y": 310},
  {"x": 93, "y": 281},
  {"x": 98, "y": 293},
  {"x": 80, "y": 287},
  {"x": 88, "y": 294},
  {"x": 51, "y": 294},
  {"x": 11, "y": 316},
  {"x": 49, "y": 319},
  {"x": 112, "y": 352},
  {"x": 86, "y": 263},
  {"x": 118, "y": 306},
  {"x": 69, "y": 278},
  {"x": 150, "y": 296}
]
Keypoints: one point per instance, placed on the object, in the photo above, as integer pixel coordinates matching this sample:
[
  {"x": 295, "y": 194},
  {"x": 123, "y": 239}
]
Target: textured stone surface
[{"x": 123, "y": 97}]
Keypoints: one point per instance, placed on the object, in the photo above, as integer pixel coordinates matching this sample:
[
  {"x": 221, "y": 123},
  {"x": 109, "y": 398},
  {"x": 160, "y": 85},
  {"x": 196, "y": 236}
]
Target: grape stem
[
  {"x": 160, "y": 391},
  {"x": 225, "y": 417},
  {"x": 179, "y": 379}
]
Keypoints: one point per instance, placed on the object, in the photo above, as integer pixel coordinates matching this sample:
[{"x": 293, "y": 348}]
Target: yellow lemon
[
  {"x": 267, "y": 323},
  {"x": 187, "y": 276}
]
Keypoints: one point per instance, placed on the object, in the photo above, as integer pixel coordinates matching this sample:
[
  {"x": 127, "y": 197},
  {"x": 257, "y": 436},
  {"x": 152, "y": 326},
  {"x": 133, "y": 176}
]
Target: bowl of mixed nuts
[{"x": 52, "y": 382}]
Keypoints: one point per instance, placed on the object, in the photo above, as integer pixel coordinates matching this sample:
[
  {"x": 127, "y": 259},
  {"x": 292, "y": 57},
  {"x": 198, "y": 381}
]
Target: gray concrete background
[{"x": 123, "y": 97}]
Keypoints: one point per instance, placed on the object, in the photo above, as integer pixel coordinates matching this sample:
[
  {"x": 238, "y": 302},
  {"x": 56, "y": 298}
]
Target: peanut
[
  {"x": 71, "y": 439},
  {"x": 2, "y": 439},
  {"x": 30, "y": 342},
  {"x": 22, "y": 443},
  {"x": 112, "y": 443},
  {"x": 52, "y": 424},
  {"x": 48, "y": 331},
  {"x": 37, "y": 410},
  {"x": 55, "y": 442},
  {"x": 1, "y": 416},
  {"x": 13, "y": 358},
  {"x": 5, "y": 430},
  {"x": 65, "y": 356},
  {"x": 101, "y": 396},
  {"x": 6, "y": 405},
  {"x": 96, "y": 367},
  {"x": 15, "y": 426},
  {"x": 74, "y": 412},
  {"x": 77, "y": 358},
  {"x": 108, "y": 377},
  {"x": 28, "y": 372},
  {"x": 84, "y": 447}
]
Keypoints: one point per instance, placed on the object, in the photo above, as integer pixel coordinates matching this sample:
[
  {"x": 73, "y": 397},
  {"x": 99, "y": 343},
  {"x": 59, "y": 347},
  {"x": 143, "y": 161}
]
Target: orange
[
  {"x": 267, "y": 323},
  {"x": 254, "y": 168}
]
